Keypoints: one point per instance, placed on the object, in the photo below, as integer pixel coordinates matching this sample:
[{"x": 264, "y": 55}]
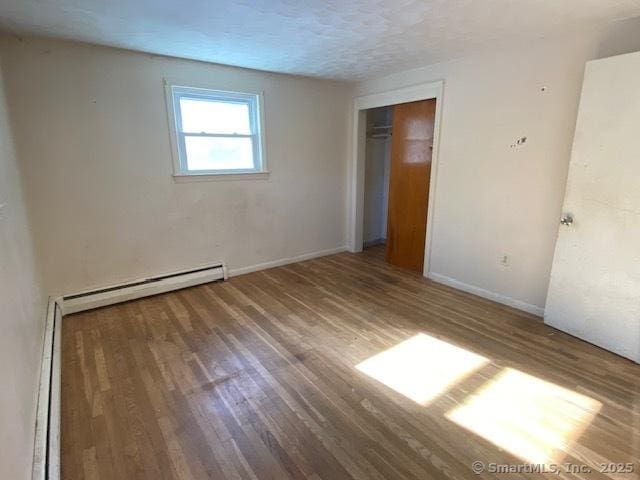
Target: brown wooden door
[{"x": 411, "y": 147}]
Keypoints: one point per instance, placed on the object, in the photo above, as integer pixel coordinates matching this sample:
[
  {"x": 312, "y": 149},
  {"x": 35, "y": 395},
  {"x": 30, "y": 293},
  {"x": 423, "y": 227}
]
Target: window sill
[{"x": 218, "y": 177}]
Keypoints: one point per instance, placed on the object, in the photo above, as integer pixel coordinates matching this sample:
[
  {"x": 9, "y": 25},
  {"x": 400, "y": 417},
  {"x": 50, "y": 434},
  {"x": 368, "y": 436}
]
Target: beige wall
[
  {"x": 22, "y": 314},
  {"x": 91, "y": 131},
  {"x": 493, "y": 199}
]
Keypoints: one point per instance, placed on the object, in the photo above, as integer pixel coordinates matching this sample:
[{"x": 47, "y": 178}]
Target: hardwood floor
[{"x": 336, "y": 368}]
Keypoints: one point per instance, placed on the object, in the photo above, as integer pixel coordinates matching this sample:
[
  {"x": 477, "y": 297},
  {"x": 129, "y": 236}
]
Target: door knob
[{"x": 566, "y": 219}]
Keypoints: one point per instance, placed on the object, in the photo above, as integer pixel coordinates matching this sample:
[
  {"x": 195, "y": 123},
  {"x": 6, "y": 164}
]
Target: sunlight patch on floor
[
  {"x": 422, "y": 367},
  {"x": 535, "y": 420}
]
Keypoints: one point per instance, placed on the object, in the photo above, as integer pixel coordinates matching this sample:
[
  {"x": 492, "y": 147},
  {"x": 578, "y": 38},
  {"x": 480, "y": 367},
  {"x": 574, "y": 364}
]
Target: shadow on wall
[{"x": 625, "y": 38}]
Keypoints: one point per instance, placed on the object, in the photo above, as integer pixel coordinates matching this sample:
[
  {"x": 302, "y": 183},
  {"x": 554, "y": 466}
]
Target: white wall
[
  {"x": 22, "y": 314},
  {"x": 91, "y": 131},
  {"x": 376, "y": 178},
  {"x": 493, "y": 199}
]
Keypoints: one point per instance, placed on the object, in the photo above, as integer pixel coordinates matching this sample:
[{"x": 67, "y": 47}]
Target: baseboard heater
[
  {"x": 142, "y": 288},
  {"x": 46, "y": 459},
  {"x": 46, "y": 451}
]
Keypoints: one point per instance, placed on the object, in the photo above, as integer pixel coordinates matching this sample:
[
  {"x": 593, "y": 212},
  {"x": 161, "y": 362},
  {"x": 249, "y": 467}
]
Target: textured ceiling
[{"x": 342, "y": 39}]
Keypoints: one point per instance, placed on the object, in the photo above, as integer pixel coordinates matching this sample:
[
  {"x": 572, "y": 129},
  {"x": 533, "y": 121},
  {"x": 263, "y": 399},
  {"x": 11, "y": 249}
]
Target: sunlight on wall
[
  {"x": 533, "y": 419},
  {"x": 422, "y": 367}
]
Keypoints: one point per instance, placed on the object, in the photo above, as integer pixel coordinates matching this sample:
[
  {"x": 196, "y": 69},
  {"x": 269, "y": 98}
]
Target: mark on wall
[{"x": 518, "y": 142}]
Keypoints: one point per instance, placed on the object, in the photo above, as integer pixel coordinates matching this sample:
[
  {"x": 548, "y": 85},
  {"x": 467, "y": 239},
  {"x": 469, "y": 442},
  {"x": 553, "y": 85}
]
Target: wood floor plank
[{"x": 258, "y": 378}]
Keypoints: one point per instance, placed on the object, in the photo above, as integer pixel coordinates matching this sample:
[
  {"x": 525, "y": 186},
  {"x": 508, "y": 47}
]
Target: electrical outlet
[{"x": 505, "y": 260}]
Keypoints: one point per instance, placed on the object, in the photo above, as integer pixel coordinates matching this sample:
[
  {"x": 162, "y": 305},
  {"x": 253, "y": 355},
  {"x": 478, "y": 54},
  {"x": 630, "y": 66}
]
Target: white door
[{"x": 594, "y": 291}]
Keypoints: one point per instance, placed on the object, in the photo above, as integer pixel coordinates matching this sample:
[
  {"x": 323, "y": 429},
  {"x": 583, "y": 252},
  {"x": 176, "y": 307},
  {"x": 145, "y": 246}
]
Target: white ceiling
[{"x": 341, "y": 39}]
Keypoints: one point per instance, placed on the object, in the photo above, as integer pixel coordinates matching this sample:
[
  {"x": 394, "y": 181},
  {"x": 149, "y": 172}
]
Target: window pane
[
  {"x": 219, "y": 153},
  {"x": 206, "y": 116}
]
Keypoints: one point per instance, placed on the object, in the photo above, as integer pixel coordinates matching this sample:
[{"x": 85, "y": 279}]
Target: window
[{"x": 216, "y": 132}]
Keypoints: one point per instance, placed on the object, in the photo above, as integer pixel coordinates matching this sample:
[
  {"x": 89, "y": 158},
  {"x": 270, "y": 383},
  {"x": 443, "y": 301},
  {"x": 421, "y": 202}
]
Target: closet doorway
[
  {"x": 362, "y": 136},
  {"x": 398, "y": 158}
]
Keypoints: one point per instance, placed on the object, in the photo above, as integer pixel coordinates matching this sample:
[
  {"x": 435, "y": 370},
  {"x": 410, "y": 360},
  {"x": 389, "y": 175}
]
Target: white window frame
[{"x": 255, "y": 102}]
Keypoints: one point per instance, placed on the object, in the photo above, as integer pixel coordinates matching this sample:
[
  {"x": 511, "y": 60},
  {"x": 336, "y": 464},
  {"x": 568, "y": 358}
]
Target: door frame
[{"x": 414, "y": 93}]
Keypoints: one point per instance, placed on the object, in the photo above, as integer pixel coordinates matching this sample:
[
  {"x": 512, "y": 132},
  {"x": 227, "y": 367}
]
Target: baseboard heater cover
[
  {"x": 46, "y": 458},
  {"x": 142, "y": 288},
  {"x": 46, "y": 451}
]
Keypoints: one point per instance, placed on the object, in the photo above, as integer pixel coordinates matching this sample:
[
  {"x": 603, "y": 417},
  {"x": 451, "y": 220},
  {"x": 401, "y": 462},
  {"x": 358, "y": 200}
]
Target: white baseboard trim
[
  {"x": 142, "y": 288},
  {"x": 234, "y": 272},
  {"x": 46, "y": 452},
  {"x": 481, "y": 292}
]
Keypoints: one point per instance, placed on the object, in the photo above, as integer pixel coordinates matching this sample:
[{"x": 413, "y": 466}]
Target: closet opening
[
  {"x": 397, "y": 176},
  {"x": 376, "y": 176}
]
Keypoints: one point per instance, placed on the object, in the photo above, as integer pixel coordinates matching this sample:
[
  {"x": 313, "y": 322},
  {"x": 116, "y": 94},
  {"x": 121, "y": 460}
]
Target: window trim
[{"x": 176, "y": 90}]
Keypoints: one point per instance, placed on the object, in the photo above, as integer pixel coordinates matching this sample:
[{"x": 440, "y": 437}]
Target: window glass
[
  {"x": 219, "y": 153},
  {"x": 207, "y": 116}
]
